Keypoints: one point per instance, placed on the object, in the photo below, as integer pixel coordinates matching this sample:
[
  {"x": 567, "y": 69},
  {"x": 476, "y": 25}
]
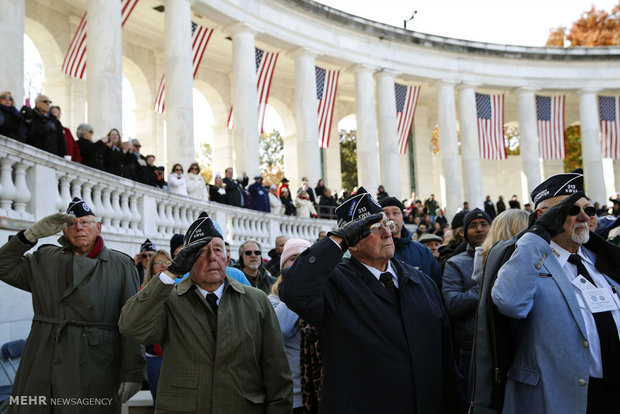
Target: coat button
[
  {"x": 582, "y": 382},
  {"x": 312, "y": 259},
  {"x": 586, "y": 344}
]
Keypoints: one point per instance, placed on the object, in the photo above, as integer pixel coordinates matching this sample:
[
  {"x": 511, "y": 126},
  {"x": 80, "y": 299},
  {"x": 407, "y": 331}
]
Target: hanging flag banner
[
  {"x": 609, "y": 107},
  {"x": 550, "y": 122},
  {"x": 326, "y": 86},
  {"x": 490, "y": 110},
  {"x": 406, "y": 102}
]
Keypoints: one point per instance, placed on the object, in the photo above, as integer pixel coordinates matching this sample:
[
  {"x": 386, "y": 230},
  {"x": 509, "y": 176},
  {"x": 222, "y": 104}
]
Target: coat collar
[
  {"x": 186, "y": 284},
  {"x": 66, "y": 247}
]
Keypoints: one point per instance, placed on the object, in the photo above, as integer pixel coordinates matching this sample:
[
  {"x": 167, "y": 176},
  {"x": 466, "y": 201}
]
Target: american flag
[
  {"x": 609, "y": 107},
  {"x": 200, "y": 39},
  {"x": 326, "y": 86},
  {"x": 265, "y": 65},
  {"x": 406, "y": 102},
  {"x": 490, "y": 109},
  {"x": 550, "y": 116},
  {"x": 75, "y": 59}
]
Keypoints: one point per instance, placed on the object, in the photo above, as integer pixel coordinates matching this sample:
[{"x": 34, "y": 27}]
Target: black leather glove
[
  {"x": 356, "y": 230},
  {"x": 551, "y": 223},
  {"x": 184, "y": 260}
]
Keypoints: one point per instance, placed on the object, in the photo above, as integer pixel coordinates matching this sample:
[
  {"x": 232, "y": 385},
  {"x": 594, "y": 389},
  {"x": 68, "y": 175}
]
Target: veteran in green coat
[
  {"x": 222, "y": 347},
  {"x": 74, "y": 358}
]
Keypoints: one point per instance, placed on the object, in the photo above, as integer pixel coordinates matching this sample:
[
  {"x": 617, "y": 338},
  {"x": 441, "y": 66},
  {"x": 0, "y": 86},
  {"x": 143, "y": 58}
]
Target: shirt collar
[
  {"x": 218, "y": 292},
  {"x": 562, "y": 254},
  {"x": 376, "y": 272}
]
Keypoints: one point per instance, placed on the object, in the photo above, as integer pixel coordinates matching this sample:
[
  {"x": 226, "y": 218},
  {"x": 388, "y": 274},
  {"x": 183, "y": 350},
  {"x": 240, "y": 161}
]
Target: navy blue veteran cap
[
  {"x": 148, "y": 246},
  {"x": 358, "y": 206},
  {"x": 558, "y": 185},
  {"x": 201, "y": 229},
  {"x": 79, "y": 208}
]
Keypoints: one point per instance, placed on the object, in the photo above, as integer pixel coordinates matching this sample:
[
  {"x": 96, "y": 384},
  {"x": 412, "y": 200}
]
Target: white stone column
[
  {"x": 179, "y": 82},
  {"x": 389, "y": 159},
  {"x": 616, "y": 164},
  {"x": 449, "y": 147},
  {"x": 245, "y": 100},
  {"x": 529, "y": 137},
  {"x": 367, "y": 149},
  {"x": 470, "y": 150},
  {"x": 12, "y": 24},
  {"x": 331, "y": 160},
  {"x": 104, "y": 66},
  {"x": 591, "y": 145},
  {"x": 222, "y": 149},
  {"x": 405, "y": 177},
  {"x": 291, "y": 171},
  {"x": 306, "y": 116}
]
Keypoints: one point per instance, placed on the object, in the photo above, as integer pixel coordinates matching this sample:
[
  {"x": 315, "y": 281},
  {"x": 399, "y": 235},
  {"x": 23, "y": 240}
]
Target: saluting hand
[
  {"x": 184, "y": 260},
  {"x": 551, "y": 223},
  {"x": 355, "y": 231}
]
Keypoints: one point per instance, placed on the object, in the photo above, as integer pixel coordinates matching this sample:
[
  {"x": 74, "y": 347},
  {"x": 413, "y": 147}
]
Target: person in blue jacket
[
  {"x": 260, "y": 194},
  {"x": 411, "y": 252}
]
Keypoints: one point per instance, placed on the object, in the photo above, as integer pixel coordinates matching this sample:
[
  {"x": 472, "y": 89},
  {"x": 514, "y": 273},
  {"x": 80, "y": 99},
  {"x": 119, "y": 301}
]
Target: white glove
[
  {"x": 48, "y": 226},
  {"x": 127, "y": 390}
]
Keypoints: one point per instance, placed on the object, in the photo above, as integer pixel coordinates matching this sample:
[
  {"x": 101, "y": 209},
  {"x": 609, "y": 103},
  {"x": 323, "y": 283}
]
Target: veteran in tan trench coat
[
  {"x": 74, "y": 358},
  {"x": 222, "y": 347}
]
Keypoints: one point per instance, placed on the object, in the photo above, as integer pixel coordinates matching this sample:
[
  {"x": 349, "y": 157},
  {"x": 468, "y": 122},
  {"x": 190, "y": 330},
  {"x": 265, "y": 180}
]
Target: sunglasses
[
  {"x": 8, "y": 98},
  {"x": 249, "y": 252},
  {"x": 47, "y": 102},
  {"x": 574, "y": 210},
  {"x": 146, "y": 255}
]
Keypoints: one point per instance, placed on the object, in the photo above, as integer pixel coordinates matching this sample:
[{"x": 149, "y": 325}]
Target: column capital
[
  {"x": 446, "y": 82},
  {"x": 386, "y": 73},
  {"x": 363, "y": 67},
  {"x": 467, "y": 85},
  {"x": 588, "y": 90},
  {"x": 240, "y": 28},
  {"x": 301, "y": 52},
  {"x": 526, "y": 89}
]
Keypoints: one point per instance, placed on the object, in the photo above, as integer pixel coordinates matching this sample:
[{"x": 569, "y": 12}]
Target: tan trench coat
[
  {"x": 74, "y": 349},
  {"x": 234, "y": 363}
]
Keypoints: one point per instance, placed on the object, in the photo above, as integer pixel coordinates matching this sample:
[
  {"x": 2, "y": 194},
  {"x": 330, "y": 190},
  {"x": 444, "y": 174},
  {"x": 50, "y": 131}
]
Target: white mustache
[{"x": 578, "y": 225}]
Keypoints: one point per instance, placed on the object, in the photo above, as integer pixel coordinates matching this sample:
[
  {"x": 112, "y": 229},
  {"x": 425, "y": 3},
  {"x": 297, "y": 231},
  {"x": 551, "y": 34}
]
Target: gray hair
[{"x": 82, "y": 129}]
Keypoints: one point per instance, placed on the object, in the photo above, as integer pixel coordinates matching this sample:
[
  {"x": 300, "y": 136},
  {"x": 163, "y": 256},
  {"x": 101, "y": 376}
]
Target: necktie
[
  {"x": 606, "y": 327},
  {"x": 388, "y": 282},
  {"x": 212, "y": 299}
]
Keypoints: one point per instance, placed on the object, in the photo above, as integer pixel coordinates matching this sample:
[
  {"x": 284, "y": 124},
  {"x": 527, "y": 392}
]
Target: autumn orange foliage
[{"x": 593, "y": 28}]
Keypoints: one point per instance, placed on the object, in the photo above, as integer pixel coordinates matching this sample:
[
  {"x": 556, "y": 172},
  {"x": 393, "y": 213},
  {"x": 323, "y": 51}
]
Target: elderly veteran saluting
[
  {"x": 561, "y": 285},
  {"x": 384, "y": 332},
  {"x": 222, "y": 347},
  {"x": 74, "y": 349}
]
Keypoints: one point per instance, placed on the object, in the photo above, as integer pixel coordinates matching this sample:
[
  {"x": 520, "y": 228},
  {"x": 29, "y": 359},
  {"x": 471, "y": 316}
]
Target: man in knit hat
[
  {"x": 460, "y": 292},
  {"x": 74, "y": 350},
  {"x": 221, "y": 341},
  {"x": 147, "y": 249},
  {"x": 407, "y": 250},
  {"x": 384, "y": 332}
]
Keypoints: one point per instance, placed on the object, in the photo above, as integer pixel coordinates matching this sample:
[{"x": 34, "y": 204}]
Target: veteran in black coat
[{"x": 383, "y": 352}]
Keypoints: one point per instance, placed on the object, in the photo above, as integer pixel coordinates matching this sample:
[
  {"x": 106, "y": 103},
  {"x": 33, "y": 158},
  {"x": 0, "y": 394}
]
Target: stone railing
[{"x": 34, "y": 184}]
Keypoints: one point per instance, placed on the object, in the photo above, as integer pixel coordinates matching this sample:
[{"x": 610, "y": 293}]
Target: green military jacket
[
  {"x": 74, "y": 349},
  {"x": 230, "y": 363}
]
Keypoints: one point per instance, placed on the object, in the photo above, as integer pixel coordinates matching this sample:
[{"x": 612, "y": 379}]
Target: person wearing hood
[
  {"x": 303, "y": 204},
  {"x": 407, "y": 250},
  {"x": 460, "y": 292}
]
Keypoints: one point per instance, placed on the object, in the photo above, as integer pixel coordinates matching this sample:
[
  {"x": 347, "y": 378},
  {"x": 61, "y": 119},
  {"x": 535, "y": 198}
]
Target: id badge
[{"x": 598, "y": 300}]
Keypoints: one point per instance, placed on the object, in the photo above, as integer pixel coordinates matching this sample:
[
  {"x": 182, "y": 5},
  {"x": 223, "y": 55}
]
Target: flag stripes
[
  {"x": 406, "y": 102},
  {"x": 326, "y": 87},
  {"x": 490, "y": 109},
  {"x": 609, "y": 111},
  {"x": 550, "y": 122},
  {"x": 74, "y": 63}
]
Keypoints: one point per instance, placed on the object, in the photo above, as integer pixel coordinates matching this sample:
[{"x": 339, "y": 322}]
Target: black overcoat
[{"x": 379, "y": 356}]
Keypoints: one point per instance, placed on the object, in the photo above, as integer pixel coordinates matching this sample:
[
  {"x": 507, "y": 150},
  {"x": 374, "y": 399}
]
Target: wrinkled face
[
  {"x": 577, "y": 226},
  {"x": 251, "y": 256},
  {"x": 433, "y": 246},
  {"x": 378, "y": 247},
  {"x": 43, "y": 104},
  {"x": 210, "y": 267},
  {"x": 280, "y": 242},
  {"x": 393, "y": 213},
  {"x": 160, "y": 263},
  {"x": 82, "y": 233},
  {"x": 477, "y": 231},
  {"x": 289, "y": 262}
]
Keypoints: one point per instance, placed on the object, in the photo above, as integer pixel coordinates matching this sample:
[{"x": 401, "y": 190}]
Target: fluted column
[
  {"x": 529, "y": 137},
  {"x": 389, "y": 159},
  {"x": 306, "y": 117},
  {"x": 104, "y": 66},
  {"x": 591, "y": 145},
  {"x": 12, "y": 40},
  {"x": 245, "y": 100},
  {"x": 449, "y": 146},
  {"x": 367, "y": 150},
  {"x": 179, "y": 82},
  {"x": 470, "y": 150}
]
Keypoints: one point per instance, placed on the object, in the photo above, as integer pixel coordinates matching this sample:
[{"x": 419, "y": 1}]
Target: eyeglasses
[
  {"x": 7, "y": 97},
  {"x": 474, "y": 225},
  {"x": 91, "y": 131},
  {"x": 377, "y": 227},
  {"x": 249, "y": 252},
  {"x": 161, "y": 262},
  {"x": 85, "y": 223},
  {"x": 146, "y": 255},
  {"x": 574, "y": 210},
  {"x": 47, "y": 101}
]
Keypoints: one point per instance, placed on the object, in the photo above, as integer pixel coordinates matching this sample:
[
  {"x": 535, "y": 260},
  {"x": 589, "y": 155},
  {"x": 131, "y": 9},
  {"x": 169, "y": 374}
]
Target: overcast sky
[{"x": 517, "y": 22}]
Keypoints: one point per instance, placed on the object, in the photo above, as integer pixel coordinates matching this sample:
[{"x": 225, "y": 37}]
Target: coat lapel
[{"x": 557, "y": 273}]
